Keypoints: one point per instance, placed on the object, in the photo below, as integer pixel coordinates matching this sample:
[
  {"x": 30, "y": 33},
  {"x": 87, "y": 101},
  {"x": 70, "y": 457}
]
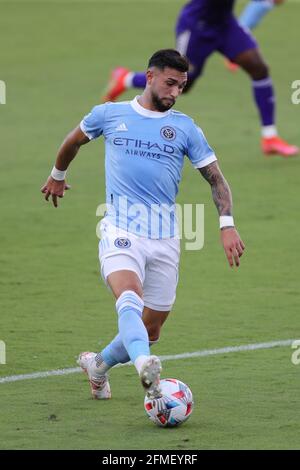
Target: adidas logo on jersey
[{"x": 122, "y": 127}]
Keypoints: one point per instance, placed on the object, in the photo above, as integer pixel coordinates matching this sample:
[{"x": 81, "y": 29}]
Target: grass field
[{"x": 55, "y": 58}]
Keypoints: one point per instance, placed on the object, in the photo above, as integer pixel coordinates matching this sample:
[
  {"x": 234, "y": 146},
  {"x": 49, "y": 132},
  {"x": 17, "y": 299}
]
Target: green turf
[
  {"x": 55, "y": 61},
  {"x": 236, "y": 406}
]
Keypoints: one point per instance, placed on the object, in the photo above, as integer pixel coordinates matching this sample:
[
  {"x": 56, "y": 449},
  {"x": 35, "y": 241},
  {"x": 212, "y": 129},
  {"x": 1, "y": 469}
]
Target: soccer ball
[{"x": 174, "y": 407}]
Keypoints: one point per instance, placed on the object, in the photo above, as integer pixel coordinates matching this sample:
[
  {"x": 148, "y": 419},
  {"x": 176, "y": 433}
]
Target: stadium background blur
[{"x": 55, "y": 60}]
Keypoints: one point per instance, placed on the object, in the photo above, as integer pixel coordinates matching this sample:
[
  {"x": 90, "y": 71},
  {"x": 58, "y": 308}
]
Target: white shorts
[{"x": 154, "y": 261}]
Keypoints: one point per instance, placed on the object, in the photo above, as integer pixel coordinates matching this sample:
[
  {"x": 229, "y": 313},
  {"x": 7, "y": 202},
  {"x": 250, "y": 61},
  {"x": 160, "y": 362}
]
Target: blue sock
[
  {"x": 132, "y": 330},
  {"x": 115, "y": 352},
  {"x": 254, "y": 12}
]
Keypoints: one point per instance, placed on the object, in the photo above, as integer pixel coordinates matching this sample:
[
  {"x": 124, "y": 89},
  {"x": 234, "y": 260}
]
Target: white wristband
[
  {"x": 226, "y": 221},
  {"x": 58, "y": 175}
]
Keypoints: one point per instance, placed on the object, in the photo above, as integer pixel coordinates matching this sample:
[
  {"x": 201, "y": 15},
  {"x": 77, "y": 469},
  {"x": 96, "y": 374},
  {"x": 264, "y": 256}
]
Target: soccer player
[
  {"x": 206, "y": 26},
  {"x": 145, "y": 144}
]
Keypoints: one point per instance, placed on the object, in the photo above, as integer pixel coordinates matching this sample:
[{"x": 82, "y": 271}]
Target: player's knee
[
  {"x": 259, "y": 70},
  {"x": 253, "y": 63},
  {"x": 131, "y": 286}
]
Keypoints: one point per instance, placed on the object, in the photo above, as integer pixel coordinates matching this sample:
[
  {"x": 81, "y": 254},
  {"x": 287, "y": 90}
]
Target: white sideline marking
[{"x": 204, "y": 353}]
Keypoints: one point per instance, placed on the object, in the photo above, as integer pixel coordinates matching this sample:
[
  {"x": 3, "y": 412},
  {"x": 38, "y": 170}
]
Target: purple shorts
[{"x": 198, "y": 41}]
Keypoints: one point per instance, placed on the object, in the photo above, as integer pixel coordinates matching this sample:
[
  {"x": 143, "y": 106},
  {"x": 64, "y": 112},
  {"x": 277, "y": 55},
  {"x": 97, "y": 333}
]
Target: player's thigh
[
  {"x": 161, "y": 274},
  {"x": 154, "y": 320},
  {"x": 236, "y": 40}
]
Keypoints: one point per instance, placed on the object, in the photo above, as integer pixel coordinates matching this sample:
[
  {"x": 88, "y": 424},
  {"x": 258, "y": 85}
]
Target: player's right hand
[{"x": 54, "y": 189}]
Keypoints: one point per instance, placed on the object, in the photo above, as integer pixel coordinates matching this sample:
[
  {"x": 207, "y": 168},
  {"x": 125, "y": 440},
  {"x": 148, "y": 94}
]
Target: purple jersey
[{"x": 207, "y": 12}]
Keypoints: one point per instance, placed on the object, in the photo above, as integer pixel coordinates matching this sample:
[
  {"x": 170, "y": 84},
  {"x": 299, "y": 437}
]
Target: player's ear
[{"x": 149, "y": 76}]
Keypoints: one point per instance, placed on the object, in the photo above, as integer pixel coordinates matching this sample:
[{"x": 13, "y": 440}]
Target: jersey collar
[{"x": 147, "y": 112}]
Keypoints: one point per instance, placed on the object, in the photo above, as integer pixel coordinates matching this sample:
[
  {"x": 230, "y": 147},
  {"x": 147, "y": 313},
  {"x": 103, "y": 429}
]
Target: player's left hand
[
  {"x": 233, "y": 245},
  {"x": 54, "y": 189}
]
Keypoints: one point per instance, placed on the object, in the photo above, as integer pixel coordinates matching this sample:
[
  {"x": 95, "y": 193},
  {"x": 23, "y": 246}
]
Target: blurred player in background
[
  {"x": 145, "y": 145},
  {"x": 207, "y": 26},
  {"x": 251, "y": 16}
]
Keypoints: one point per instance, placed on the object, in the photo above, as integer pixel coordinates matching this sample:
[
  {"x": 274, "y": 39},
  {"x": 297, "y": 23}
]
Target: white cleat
[
  {"x": 150, "y": 377},
  {"x": 100, "y": 387}
]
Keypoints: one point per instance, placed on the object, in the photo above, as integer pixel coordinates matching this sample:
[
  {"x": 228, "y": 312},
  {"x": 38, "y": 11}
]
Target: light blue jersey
[{"x": 144, "y": 156}]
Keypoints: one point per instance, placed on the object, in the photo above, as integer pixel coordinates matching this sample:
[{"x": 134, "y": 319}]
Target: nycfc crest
[
  {"x": 122, "y": 243},
  {"x": 168, "y": 133}
]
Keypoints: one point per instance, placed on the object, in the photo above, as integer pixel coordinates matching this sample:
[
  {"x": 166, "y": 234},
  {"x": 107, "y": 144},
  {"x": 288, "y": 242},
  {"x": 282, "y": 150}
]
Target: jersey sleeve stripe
[
  {"x": 206, "y": 161},
  {"x": 82, "y": 127}
]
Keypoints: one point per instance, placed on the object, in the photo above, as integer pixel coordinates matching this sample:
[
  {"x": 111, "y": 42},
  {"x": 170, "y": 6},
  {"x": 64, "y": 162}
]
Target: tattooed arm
[
  {"x": 220, "y": 189},
  {"x": 232, "y": 243}
]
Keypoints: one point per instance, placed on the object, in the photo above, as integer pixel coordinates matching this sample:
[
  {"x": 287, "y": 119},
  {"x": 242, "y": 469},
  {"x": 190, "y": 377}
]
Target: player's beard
[{"x": 159, "y": 104}]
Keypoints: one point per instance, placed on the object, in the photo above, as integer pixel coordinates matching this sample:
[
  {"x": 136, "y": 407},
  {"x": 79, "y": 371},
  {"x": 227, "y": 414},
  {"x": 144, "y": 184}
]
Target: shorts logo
[
  {"x": 168, "y": 133},
  {"x": 122, "y": 243}
]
